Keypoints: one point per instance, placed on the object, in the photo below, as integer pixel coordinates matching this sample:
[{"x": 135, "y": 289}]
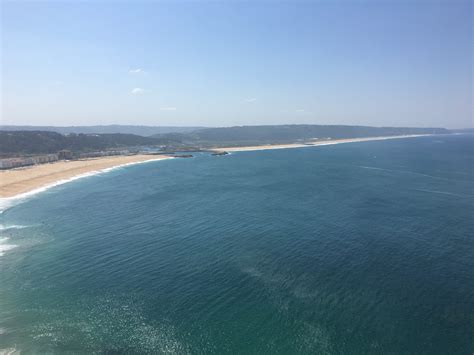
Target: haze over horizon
[{"x": 226, "y": 64}]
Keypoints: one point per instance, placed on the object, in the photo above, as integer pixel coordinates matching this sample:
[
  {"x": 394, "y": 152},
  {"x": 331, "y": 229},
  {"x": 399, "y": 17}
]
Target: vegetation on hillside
[
  {"x": 144, "y": 131},
  {"x": 39, "y": 142}
]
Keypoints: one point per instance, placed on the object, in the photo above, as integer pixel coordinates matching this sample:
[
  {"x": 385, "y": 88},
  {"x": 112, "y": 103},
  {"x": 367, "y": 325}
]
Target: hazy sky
[{"x": 397, "y": 63}]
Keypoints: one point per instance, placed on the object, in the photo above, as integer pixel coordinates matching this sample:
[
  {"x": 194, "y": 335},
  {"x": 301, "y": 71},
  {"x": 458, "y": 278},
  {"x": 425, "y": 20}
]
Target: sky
[{"x": 379, "y": 63}]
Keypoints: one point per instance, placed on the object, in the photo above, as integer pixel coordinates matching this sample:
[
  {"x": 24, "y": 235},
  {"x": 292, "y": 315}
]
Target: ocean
[{"x": 358, "y": 248}]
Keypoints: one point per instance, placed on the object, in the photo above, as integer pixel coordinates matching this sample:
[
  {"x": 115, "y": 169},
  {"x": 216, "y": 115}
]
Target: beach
[
  {"x": 310, "y": 143},
  {"x": 20, "y": 181},
  {"x": 23, "y": 180}
]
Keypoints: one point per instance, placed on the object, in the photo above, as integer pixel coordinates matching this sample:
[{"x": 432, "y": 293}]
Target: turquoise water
[{"x": 346, "y": 249}]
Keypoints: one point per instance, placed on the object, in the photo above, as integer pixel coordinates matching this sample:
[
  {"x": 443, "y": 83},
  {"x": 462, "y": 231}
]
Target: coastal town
[{"x": 24, "y": 161}]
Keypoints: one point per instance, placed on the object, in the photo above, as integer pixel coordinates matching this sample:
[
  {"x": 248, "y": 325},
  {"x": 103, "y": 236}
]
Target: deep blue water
[{"x": 347, "y": 249}]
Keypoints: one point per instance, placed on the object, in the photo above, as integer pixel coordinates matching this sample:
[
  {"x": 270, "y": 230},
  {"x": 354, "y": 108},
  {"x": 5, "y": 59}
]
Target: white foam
[
  {"x": 5, "y": 247},
  {"x": 13, "y": 226},
  {"x": 7, "y": 202}
]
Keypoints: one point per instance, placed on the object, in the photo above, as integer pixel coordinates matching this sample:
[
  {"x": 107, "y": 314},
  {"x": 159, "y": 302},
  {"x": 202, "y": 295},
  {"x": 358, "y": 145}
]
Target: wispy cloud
[
  {"x": 136, "y": 71},
  {"x": 251, "y": 99},
  {"x": 137, "y": 91},
  {"x": 168, "y": 108}
]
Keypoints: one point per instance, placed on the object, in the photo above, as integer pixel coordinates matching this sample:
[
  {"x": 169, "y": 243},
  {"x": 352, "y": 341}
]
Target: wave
[
  {"x": 409, "y": 172},
  {"x": 9, "y": 351},
  {"x": 8, "y": 202},
  {"x": 444, "y": 193},
  {"x": 13, "y": 226},
  {"x": 5, "y": 247}
]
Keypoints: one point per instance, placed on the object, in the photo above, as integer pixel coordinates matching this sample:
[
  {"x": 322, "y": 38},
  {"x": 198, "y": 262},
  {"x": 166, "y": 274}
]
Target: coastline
[
  {"x": 22, "y": 182},
  {"x": 314, "y": 143}
]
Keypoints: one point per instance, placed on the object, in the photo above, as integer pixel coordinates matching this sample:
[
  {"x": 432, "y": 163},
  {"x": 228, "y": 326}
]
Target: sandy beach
[
  {"x": 22, "y": 180},
  {"x": 309, "y": 143}
]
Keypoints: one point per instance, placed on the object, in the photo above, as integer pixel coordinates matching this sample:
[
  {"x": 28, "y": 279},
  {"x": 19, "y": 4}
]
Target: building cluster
[
  {"x": 105, "y": 153},
  {"x": 18, "y": 162},
  {"x": 11, "y": 163}
]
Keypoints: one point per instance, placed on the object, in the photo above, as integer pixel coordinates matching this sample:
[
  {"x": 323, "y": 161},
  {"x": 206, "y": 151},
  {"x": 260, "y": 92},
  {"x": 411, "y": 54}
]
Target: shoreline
[
  {"x": 315, "y": 143},
  {"x": 20, "y": 183}
]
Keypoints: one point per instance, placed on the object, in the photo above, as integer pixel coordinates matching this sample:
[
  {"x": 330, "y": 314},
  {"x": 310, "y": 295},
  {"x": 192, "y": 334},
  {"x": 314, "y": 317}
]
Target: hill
[
  {"x": 39, "y": 142},
  {"x": 109, "y": 129}
]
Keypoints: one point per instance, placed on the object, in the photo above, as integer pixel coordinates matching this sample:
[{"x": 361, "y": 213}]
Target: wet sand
[{"x": 22, "y": 180}]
